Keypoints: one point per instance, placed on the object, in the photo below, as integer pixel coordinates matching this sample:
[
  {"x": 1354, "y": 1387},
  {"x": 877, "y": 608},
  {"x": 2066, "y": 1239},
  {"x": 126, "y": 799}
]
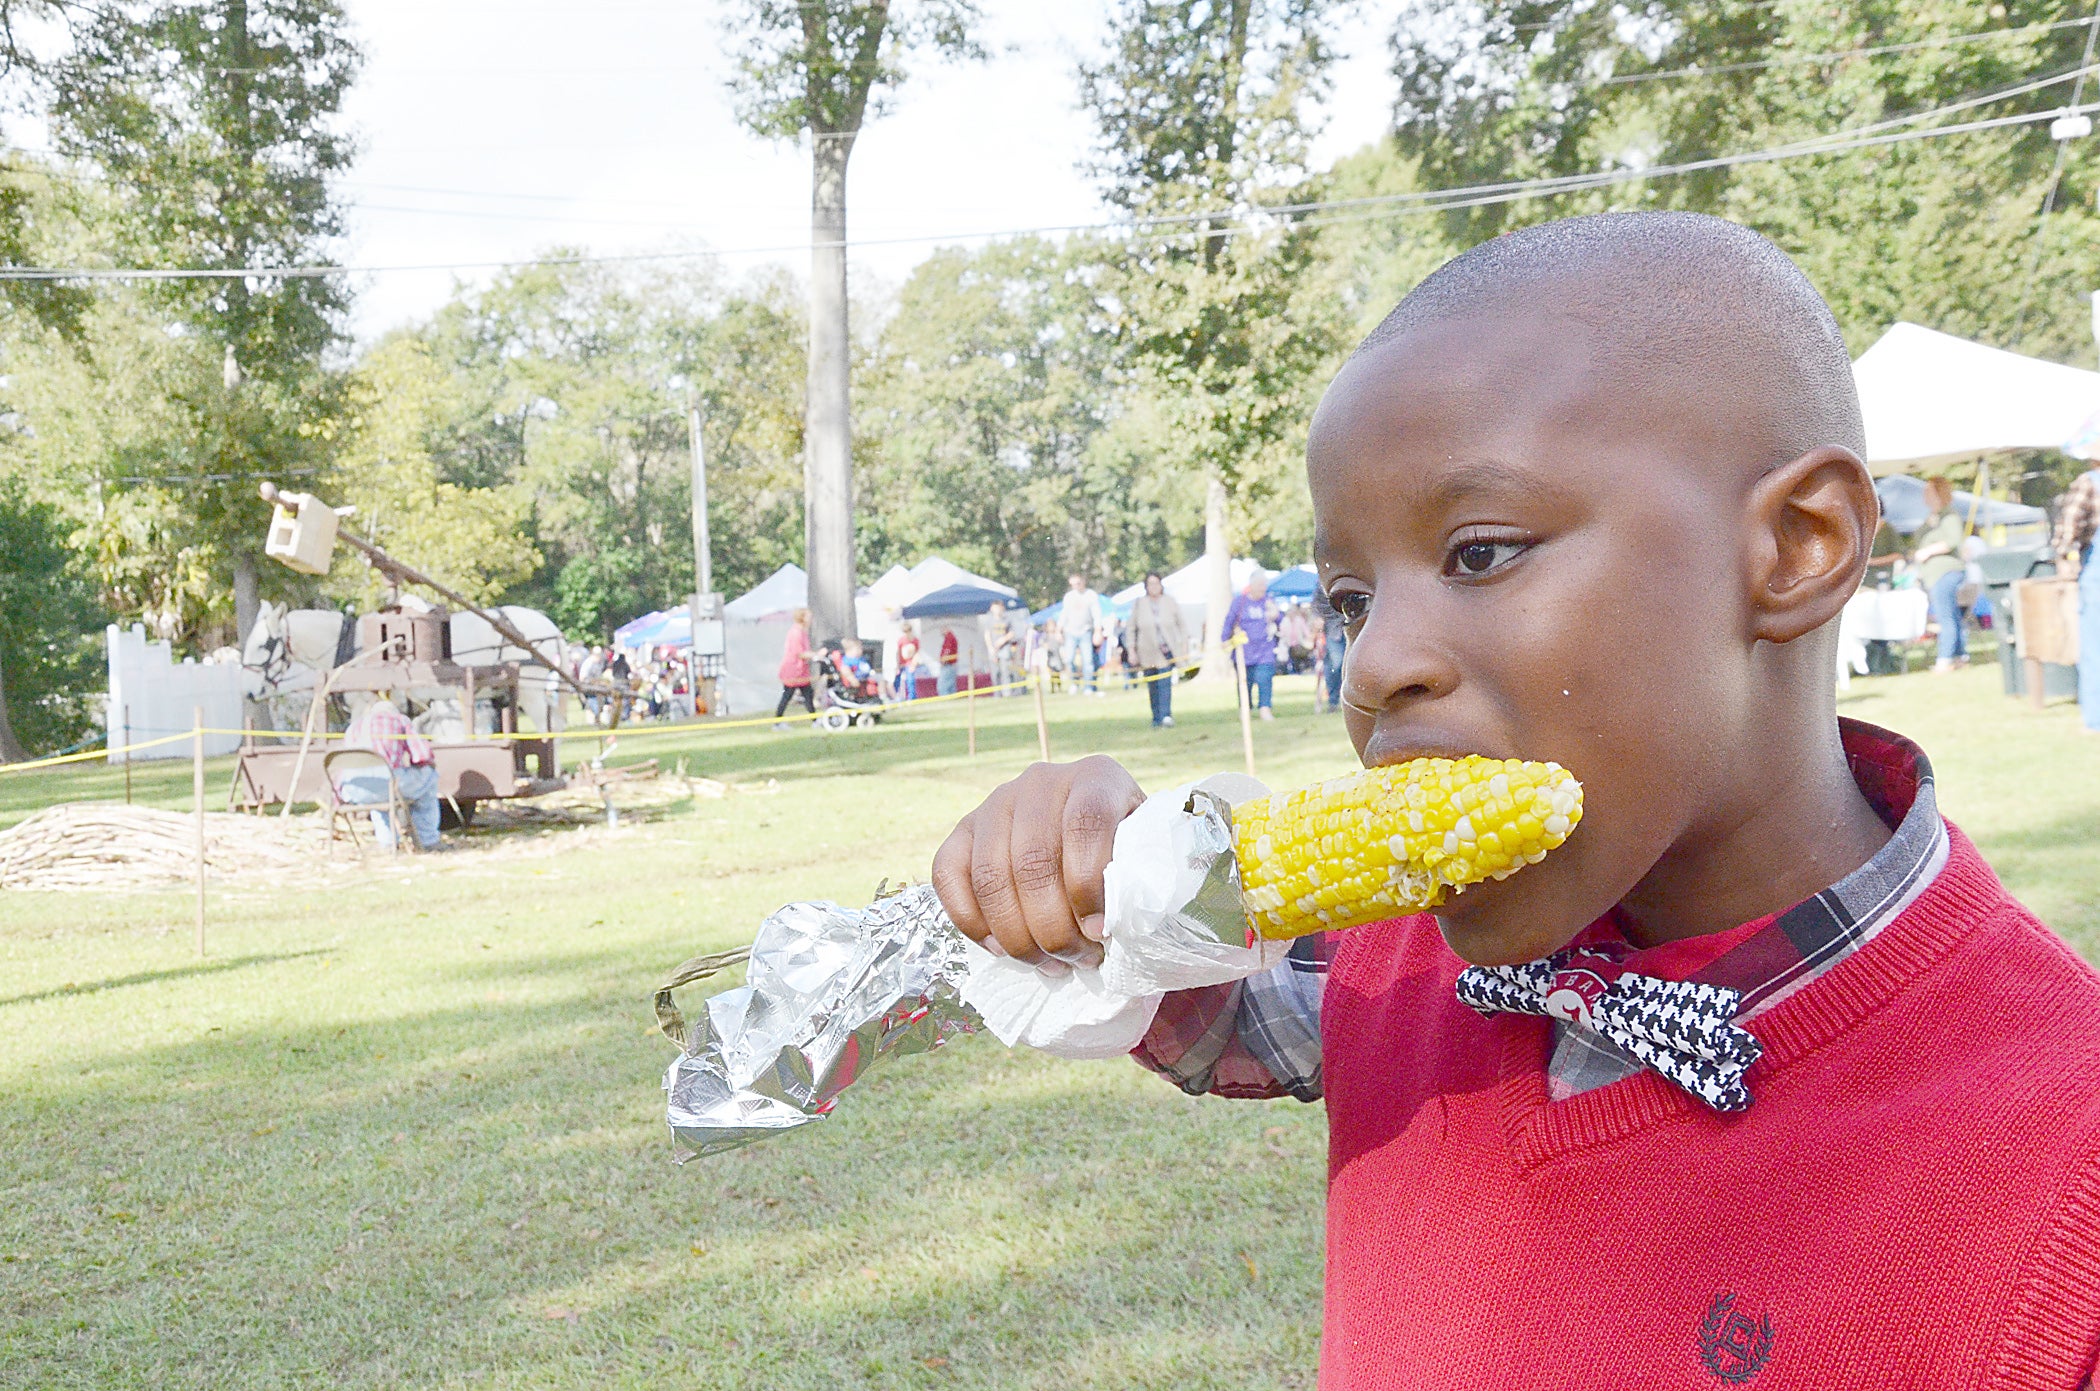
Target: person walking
[
  {"x": 1332, "y": 639},
  {"x": 950, "y": 660},
  {"x": 1253, "y": 615},
  {"x": 1937, "y": 555},
  {"x": 794, "y": 670},
  {"x": 999, "y": 641},
  {"x": 1158, "y": 638},
  {"x": 907, "y": 663},
  {"x": 2077, "y": 530},
  {"x": 1077, "y": 618}
]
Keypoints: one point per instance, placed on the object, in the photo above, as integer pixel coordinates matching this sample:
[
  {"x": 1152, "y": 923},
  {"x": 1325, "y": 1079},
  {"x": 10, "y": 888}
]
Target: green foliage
[
  {"x": 550, "y": 413},
  {"x": 212, "y": 128},
  {"x": 1201, "y": 102},
  {"x": 48, "y": 616},
  {"x": 987, "y": 406},
  {"x": 1941, "y": 231},
  {"x": 596, "y": 593},
  {"x": 133, "y": 430},
  {"x": 213, "y": 122},
  {"x": 1231, "y": 324},
  {"x": 814, "y": 65},
  {"x": 402, "y": 410}
]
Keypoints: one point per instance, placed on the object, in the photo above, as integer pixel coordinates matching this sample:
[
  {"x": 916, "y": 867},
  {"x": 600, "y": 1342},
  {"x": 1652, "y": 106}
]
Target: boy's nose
[{"x": 1395, "y": 660}]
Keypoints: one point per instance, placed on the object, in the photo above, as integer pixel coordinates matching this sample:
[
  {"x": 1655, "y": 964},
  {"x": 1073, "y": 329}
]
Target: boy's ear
[{"x": 1811, "y": 526}]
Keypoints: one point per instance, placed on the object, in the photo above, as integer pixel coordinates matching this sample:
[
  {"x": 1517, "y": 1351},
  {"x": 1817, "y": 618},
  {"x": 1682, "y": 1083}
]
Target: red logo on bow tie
[{"x": 1578, "y": 986}]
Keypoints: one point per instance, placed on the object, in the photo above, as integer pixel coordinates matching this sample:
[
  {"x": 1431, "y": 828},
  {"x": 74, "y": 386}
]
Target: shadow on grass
[
  {"x": 202, "y": 968},
  {"x": 471, "y": 1195}
]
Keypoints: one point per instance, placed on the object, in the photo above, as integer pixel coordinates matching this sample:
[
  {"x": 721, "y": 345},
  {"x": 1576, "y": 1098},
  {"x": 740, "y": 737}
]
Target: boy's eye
[
  {"x": 1470, "y": 558},
  {"x": 1353, "y": 605}
]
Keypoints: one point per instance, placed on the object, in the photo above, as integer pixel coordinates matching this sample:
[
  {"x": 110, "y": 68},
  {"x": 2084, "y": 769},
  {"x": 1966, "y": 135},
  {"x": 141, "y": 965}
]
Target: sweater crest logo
[{"x": 1732, "y": 1344}]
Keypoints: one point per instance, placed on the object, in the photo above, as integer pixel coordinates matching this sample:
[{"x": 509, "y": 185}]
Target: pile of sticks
[{"x": 93, "y": 845}]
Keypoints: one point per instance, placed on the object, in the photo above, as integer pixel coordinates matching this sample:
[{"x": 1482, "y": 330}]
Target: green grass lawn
[{"x": 404, "y": 1128}]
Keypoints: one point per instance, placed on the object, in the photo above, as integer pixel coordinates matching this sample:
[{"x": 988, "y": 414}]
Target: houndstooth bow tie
[{"x": 1682, "y": 1030}]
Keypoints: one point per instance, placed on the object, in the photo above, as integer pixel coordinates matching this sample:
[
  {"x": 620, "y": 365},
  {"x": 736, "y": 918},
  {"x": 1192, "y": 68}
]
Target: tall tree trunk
[
  {"x": 245, "y": 603},
  {"x": 1217, "y": 568},
  {"x": 11, "y": 750},
  {"x": 828, "y": 421}
]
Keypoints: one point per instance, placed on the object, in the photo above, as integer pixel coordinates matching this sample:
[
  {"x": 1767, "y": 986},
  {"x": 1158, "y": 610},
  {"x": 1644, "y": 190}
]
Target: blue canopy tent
[
  {"x": 1298, "y": 582},
  {"x": 1903, "y": 503},
  {"x": 664, "y": 628},
  {"x": 957, "y": 601}
]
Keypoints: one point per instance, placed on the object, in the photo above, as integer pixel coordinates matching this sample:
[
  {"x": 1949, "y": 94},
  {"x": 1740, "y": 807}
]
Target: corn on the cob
[{"x": 1389, "y": 841}]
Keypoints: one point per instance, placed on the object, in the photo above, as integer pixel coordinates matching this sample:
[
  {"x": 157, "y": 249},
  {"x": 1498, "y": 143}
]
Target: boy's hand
[{"x": 1022, "y": 874}]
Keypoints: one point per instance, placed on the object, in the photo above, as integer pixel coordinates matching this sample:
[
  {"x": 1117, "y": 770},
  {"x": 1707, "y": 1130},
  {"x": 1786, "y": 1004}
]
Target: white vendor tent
[
  {"x": 899, "y": 586},
  {"x": 754, "y": 631},
  {"x": 882, "y": 604},
  {"x": 1930, "y": 398}
]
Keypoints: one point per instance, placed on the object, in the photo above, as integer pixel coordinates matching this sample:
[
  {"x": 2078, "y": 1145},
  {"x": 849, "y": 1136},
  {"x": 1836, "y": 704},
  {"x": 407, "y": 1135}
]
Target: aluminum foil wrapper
[
  {"x": 832, "y": 991},
  {"x": 829, "y": 993}
]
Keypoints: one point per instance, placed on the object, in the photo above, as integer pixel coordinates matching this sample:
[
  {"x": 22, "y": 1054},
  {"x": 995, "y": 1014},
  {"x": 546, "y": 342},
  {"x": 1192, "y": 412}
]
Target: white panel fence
[{"x": 151, "y": 696}]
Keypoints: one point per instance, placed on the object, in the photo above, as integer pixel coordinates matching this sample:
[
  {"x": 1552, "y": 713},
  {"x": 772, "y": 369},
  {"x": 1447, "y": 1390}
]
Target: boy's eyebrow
[{"x": 1465, "y": 481}]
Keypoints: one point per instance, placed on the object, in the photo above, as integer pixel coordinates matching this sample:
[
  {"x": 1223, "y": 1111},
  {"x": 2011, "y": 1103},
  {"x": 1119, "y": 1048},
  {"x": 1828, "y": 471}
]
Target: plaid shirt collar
[{"x": 1771, "y": 958}]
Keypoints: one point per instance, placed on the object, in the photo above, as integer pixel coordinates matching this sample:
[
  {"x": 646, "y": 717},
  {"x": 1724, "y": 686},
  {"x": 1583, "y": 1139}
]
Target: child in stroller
[{"x": 852, "y": 691}]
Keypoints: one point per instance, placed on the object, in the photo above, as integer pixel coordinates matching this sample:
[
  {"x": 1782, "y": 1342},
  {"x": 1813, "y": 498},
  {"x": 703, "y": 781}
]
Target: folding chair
[{"x": 340, "y": 763}]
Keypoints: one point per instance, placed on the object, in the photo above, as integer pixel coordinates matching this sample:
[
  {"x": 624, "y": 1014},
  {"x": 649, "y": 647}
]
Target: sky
[{"x": 492, "y": 130}]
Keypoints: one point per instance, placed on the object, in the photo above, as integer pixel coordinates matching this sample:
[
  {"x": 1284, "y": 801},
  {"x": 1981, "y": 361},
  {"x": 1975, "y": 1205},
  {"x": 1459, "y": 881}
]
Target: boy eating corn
[{"x": 1593, "y": 494}]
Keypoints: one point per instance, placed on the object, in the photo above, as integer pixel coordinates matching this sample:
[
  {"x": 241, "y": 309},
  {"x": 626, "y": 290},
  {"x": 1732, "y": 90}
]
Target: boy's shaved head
[
  {"x": 1667, "y": 293},
  {"x": 1593, "y": 493}
]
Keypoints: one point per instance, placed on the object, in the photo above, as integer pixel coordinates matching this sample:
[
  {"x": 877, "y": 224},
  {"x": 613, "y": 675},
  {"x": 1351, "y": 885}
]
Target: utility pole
[{"x": 703, "y": 606}]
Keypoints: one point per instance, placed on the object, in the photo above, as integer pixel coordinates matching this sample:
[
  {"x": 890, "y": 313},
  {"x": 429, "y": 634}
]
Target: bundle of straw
[{"x": 101, "y": 846}]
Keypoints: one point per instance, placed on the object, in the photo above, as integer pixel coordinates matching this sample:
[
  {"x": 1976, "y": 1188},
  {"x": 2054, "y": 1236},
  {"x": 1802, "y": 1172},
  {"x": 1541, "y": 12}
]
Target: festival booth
[
  {"x": 898, "y": 587},
  {"x": 959, "y": 608},
  {"x": 754, "y": 633},
  {"x": 1929, "y": 400},
  {"x": 1296, "y": 585},
  {"x": 671, "y": 627}
]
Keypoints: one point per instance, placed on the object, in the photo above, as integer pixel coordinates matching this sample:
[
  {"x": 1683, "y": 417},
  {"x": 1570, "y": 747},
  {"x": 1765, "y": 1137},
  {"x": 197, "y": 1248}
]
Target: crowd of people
[
  {"x": 658, "y": 684},
  {"x": 1082, "y": 646}
]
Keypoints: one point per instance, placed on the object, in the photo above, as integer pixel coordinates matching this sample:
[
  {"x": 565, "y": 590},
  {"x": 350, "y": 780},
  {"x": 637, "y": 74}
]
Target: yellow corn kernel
[{"x": 1390, "y": 841}]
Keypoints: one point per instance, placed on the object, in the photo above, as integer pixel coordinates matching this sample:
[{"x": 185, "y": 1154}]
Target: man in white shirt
[{"x": 1077, "y": 618}]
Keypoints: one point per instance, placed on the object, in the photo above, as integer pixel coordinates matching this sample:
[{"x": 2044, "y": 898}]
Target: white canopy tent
[
  {"x": 754, "y": 632},
  {"x": 1930, "y": 399},
  {"x": 883, "y": 601}
]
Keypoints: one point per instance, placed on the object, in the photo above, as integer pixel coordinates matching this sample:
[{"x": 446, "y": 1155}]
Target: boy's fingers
[
  {"x": 1039, "y": 876},
  {"x": 1098, "y": 803},
  {"x": 951, "y": 882},
  {"x": 992, "y": 879}
]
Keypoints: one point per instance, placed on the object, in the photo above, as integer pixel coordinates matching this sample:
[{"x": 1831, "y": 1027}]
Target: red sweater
[{"x": 1913, "y": 1200}]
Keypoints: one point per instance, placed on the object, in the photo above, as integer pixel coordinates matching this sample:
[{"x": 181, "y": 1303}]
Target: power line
[
  {"x": 2056, "y": 174},
  {"x": 1871, "y": 51},
  {"x": 1206, "y": 222}
]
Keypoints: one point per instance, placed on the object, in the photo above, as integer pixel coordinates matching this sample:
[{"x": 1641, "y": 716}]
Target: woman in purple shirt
[{"x": 1252, "y": 614}]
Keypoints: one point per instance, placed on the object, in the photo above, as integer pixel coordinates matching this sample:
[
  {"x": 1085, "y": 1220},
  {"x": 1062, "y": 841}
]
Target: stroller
[{"x": 850, "y": 697}]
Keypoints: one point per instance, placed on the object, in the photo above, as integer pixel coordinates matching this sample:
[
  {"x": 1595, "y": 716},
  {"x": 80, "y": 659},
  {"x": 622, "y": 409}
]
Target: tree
[
  {"x": 401, "y": 404},
  {"x": 213, "y": 123},
  {"x": 1944, "y": 231},
  {"x": 47, "y": 618},
  {"x": 559, "y": 398},
  {"x": 998, "y": 407},
  {"x": 817, "y": 67},
  {"x": 1204, "y": 109}
]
